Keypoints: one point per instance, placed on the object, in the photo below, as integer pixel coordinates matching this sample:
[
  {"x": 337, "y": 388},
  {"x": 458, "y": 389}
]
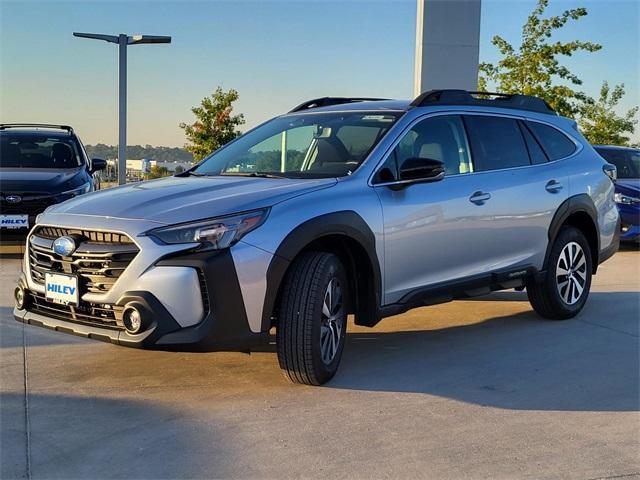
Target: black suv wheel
[
  {"x": 567, "y": 282},
  {"x": 312, "y": 318}
]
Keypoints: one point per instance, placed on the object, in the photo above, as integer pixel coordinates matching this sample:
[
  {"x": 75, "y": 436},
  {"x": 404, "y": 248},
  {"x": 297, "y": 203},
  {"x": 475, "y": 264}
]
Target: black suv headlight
[
  {"x": 215, "y": 233},
  {"x": 625, "y": 199},
  {"x": 84, "y": 188}
]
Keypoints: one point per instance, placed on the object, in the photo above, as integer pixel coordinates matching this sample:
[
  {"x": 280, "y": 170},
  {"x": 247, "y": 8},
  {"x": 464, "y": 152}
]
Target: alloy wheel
[
  {"x": 333, "y": 321},
  {"x": 571, "y": 273}
]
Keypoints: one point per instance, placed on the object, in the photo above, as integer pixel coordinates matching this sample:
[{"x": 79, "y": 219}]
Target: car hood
[
  {"x": 182, "y": 199},
  {"x": 629, "y": 186},
  {"x": 35, "y": 180}
]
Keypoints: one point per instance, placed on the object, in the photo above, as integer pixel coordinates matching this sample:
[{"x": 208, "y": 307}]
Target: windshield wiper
[
  {"x": 251, "y": 174},
  {"x": 191, "y": 173}
]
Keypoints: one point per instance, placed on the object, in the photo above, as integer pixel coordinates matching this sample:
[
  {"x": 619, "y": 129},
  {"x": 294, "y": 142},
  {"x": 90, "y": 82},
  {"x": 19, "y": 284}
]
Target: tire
[
  {"x": 561, "y": 296},
  {"x": 310, "y": 342}
]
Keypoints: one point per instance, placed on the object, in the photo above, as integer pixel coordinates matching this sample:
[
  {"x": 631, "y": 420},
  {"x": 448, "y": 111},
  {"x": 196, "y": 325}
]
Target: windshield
[
  {"x": 627, "y": 162},
  {"x": 302, "y": 146},
  {"x": 38, "y": 151}
]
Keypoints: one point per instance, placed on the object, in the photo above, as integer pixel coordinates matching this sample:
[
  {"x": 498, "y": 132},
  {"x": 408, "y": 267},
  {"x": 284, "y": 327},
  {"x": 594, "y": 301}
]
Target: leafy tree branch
[{"x": 215, "y": 123}]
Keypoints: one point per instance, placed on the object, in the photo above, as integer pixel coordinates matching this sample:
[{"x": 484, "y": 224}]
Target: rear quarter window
[
  {"x": 554, "y": 143},
  {"x": 536, "y": 153}
]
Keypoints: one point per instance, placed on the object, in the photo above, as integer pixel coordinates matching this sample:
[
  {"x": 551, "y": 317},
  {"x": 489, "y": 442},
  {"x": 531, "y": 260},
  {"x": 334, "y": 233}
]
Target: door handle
[
  {"x": 553, "y": 186},
  {"x": 479, "y": 198}
]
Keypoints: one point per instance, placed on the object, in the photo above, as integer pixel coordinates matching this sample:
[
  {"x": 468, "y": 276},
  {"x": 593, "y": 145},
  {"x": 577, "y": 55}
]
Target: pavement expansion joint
[{"x": 27, "y": 420}]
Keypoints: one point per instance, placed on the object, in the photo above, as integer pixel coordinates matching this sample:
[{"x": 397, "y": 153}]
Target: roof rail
[
  {"x": 328, "y": 101},
  {"x": 486, "y": 99},
  {"x": 4, "y": 126}
]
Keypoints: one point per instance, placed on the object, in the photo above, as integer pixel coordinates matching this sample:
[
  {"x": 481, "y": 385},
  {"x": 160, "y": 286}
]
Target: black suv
[{"x": 40, "y": 165}]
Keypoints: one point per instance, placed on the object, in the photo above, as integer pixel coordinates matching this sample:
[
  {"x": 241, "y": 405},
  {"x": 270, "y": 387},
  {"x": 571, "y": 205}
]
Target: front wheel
[
  {"x": 312, "y": 318},
  {"x": 567, "y": 281}
]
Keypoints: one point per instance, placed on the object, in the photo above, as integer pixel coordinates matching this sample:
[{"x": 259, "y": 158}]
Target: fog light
[
  {"x": 132, "y": 320},
  {"x": 20, "y": 297}
]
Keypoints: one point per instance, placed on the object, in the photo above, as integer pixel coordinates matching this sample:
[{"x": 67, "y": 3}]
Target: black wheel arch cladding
[
  {"x": 348, "y": 226},
  {"x": 580, "y": 212},
  {"x": 225, "y": 325}
]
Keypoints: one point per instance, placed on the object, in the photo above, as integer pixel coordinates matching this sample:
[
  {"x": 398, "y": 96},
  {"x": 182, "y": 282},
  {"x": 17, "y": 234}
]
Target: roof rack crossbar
[
  {"x": 328, "y": 101},
  {"x": 500, "y": 100},
  {"x": 4, "y": 126}
]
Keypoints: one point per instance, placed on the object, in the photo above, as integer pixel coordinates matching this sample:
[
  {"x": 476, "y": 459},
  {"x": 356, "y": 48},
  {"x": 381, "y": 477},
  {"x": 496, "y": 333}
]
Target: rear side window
[
  {"x": 555, "y": 143},
  {"x": 536, "y": 153},
  {"x": 496, "y": 142}
]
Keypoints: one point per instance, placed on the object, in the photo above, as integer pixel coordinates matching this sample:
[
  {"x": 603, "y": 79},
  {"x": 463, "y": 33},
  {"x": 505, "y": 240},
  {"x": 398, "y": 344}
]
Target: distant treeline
[{"x": 137, "y": 152}]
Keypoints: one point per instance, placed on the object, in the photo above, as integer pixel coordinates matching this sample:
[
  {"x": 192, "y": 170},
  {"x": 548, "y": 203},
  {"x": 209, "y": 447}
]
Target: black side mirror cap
[
  {"x": 419, "y": 169},
  {"x": 97, "y": 164},
  {"x": 611, "y": 171}
]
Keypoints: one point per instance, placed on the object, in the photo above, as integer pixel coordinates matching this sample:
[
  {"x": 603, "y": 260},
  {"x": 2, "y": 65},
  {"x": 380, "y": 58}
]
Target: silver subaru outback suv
[{"x": 341, "y": 206}]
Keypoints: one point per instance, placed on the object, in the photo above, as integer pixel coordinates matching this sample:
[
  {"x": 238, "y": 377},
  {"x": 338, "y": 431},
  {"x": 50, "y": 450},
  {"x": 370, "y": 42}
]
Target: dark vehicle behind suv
[
  {"x": 627, "y": 196},
  {"x": 40, "y": 165}
]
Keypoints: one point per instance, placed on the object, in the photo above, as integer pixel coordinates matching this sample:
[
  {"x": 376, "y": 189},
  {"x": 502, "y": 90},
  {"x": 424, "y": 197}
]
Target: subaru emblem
[
  {"x": 64, "y": 246},
  {"x": 13, "y": 198}
]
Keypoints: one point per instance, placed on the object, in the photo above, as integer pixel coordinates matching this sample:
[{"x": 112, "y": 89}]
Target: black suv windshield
[
  {"x": 38, "y": 150},
  {"x": 627, "y": 162},
  {"x": 311, "y": 145}
]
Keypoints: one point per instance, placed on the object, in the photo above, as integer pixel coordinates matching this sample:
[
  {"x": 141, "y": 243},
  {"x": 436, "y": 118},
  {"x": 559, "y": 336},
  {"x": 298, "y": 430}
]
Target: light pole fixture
[{"x": 123, "y": 40}]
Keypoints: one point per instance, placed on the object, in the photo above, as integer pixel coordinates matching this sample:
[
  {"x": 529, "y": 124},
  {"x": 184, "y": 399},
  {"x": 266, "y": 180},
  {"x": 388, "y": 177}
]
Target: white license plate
[
  {"x": 61, "y": 288},
  {"x": 14, "y": 221}
]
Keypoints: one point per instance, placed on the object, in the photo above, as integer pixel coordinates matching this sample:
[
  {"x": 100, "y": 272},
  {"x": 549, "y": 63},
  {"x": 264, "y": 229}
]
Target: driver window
[{"x": 439, "y": 138}]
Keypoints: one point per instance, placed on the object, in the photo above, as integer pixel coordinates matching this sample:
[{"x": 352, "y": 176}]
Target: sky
[{"x": 275, "y": 53}]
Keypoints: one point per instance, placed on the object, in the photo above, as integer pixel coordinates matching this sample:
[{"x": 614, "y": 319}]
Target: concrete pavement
[{"x": 474, "y": 389}]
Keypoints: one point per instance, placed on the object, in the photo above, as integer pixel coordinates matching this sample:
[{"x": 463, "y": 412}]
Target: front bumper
[
  {"x": 223, "y": 326},
  {"x": 630, "y": 220}
]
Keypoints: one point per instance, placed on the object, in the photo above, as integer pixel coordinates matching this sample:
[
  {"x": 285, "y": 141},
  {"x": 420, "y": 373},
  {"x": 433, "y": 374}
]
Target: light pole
[{"x": 123, "y": 40}]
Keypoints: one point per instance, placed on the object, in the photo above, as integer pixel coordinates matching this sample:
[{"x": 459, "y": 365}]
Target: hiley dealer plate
[
  {"x": 14, "y": 221},
  {"x": 61, "y": 288}
]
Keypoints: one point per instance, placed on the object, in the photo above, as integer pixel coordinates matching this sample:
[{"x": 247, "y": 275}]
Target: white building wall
[{"x": 447, "y": 45}]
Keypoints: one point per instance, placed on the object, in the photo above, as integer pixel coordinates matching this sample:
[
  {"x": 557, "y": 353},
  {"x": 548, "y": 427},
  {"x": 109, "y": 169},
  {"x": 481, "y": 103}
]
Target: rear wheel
[
  {"x": 312, "y": 318},
  {"x": 567, "y": 281}
]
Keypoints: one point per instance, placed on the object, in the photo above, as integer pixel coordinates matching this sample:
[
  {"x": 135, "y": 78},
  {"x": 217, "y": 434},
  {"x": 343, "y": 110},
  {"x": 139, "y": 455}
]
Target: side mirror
[
  {"x": 97, "y": 164},
  {"x": 420, "y": 169}
]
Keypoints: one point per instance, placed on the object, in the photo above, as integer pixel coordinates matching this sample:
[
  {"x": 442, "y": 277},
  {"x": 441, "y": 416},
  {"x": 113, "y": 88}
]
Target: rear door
[{"x": 519, "y": 194}]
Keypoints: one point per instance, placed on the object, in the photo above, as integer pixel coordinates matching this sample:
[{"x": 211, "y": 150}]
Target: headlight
[
  {"x": 624, "y": 199},
  {"x": 78, "y": 190},
  {"x": 214, "y": 233}
]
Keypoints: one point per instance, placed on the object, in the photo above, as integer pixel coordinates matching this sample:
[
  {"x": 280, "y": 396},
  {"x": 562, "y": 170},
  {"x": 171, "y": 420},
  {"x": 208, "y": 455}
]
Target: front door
[{"x": 431, "y": 230}]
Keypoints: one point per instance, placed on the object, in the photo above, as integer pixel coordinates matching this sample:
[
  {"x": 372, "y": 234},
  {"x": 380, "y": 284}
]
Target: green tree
[
  {"x": 534, "y": 67},
  {"x": 179, "y": 169},
  {"x": 156, "y": 172},
  {"x": 599, "y": 121},
  {"x": 215, "y": 125}
]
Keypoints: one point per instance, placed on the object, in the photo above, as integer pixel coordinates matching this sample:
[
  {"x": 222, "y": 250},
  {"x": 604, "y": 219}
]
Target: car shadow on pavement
[
  {"x": 90, "y": 437},
  {"x": 11, "y": 333},
  {"x": 522, "y": 362}
]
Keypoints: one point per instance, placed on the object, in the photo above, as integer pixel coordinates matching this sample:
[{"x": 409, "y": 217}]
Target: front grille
[
  {"x": 94, "y": 236},
  {"x": 106, "y": 316},
  {"x": 99, "y": 260},
  {"x": 28, "y": 206}
]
